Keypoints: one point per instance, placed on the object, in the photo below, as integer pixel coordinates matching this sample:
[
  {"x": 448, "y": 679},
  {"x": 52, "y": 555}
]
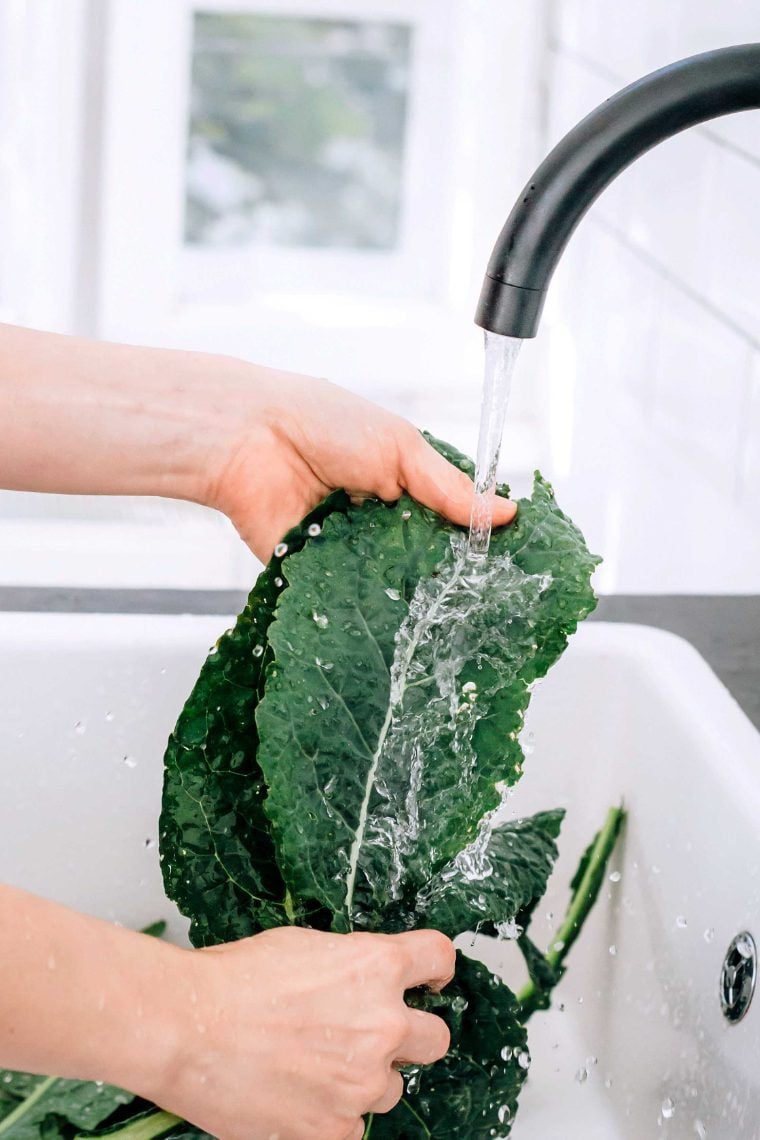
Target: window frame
[
  {"x": 375, "y": 341},
  {"x": 419, "y": 256}
]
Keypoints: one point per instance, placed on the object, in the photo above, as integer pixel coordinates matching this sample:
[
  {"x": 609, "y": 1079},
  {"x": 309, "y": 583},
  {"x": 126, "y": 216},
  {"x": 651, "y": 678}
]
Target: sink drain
[{"x": 738, "y": 976}]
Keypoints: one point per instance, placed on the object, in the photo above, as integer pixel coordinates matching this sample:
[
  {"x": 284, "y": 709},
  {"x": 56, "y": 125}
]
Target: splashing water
[
  {"x": 501, "y": 357},
  {"x": 451, "y": 620},
  {"x": 440, "y": 633}
]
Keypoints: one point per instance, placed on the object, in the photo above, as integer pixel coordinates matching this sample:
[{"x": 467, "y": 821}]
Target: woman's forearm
[
  {"x": 86, "y": 417},
  {"x": 83, "y": 998},
  {"x": 261, "y": 445}
]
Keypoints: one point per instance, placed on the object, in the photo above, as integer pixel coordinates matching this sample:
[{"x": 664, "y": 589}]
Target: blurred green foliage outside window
[{"x": 296, "y": 133}]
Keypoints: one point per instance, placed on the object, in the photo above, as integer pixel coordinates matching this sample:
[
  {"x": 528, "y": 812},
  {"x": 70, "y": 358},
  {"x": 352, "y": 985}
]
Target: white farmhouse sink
[{"x": 631, "y": 712}]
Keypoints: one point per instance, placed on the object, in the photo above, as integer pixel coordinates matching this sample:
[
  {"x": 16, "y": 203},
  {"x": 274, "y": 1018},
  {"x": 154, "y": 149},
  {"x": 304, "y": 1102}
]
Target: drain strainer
[{"x": 738, "y": 976}]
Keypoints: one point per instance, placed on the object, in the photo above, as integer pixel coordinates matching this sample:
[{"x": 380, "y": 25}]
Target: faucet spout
[{"x": 587, "y": 159}]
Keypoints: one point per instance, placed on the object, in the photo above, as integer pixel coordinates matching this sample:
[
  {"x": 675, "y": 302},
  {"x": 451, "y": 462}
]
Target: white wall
[{"x": 655, "y": 316}]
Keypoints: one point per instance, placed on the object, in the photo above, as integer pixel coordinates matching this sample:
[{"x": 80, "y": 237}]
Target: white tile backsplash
[
  {"x": 627, "y": 39},
  {"x": 707, "y": 24},
  {"x": 582, "y": 91},
  {"x": 750, "y": 468},
  {"x": 671, "y": 196},
  {"x": 701, "y": 382},
  {"x": 658, "y": 311},
  {"x": 732, "y": 240},
  {"x": 646, "y": 34}
]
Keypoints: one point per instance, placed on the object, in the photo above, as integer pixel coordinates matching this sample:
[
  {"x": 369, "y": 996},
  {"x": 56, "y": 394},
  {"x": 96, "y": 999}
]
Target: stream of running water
[{"x": 501, "y": 358}]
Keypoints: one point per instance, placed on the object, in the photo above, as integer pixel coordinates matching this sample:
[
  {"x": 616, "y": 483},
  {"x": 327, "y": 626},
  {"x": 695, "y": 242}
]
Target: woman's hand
[
  {"x": 296, "y": 438},
  {"x": 261, "y": 445},
  {"x": 291, "y": 1034},
  {"x": 295, "y": 1033}
]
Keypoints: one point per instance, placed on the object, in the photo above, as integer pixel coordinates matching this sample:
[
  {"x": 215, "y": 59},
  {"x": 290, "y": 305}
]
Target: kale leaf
[
  {"x": 342, "y": 761},
  {"x": 32, "y": 1106}
]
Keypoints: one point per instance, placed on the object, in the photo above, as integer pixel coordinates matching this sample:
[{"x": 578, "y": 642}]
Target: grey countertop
[{"x": 724, "y": 628}]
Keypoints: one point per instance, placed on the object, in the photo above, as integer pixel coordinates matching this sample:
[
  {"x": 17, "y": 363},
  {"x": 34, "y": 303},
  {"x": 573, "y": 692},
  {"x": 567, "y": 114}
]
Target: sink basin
[{"x": 636, "y": 1044}]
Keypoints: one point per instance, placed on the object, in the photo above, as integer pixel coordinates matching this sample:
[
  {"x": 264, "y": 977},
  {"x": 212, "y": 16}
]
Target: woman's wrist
[
  {"x": 148, "y": 1027},
  {"x": 87, "y": 999},
  {"x": 234, "y": 407},
  {"x": 113, "y": 419}
]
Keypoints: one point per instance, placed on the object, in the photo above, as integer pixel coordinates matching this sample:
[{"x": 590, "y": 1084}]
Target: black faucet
[{"x": 587, "y": 159}]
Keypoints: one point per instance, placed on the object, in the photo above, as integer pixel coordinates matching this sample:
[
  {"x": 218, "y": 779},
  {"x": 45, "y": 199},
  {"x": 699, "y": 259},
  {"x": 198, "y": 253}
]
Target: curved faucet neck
[{"x": 588, "y": 158}]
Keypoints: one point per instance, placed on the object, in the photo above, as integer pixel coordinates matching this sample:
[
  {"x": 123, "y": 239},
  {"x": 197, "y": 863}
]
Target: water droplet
[
  {"x": 681, "y": 922},
  {"x": 508, "y": 930},
  {"x": 321, "y": 620},
  {"x": 506, "y": 1053},
  {"x": 130, "y": 761},
  {"x": 559, "y": 945},
  {"x": 615, "y": 877},
  {"x": 109, "y": 717},
  {"x": 394, "y": 595},
  {"x": 504, "y": 1114},
  {"x": 314, "y": 530},
  {"x": 150, "y": 843},
  {"x": 258, "y": 650},
  {"x": 406, "y": 515},
  {"x": 608, "y": 1082},
  {"x": 581, "y": 1075},
  {"x": 281, "y": 549},
  {"x": 613, "y": 949},
  {"x": 744, "y": 946},
  {"x": 523, "y": 1060},
  {"x": 80, "y": 728},
  {"x": 278, "y": 582},
  {"x": 413, "y": 1081},
  {"x": 668, "y": 1108},
  {"x": 709, "y": 934}
]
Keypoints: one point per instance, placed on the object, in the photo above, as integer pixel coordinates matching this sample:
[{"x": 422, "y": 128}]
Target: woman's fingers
[
  {"x": 429, "y": 958},
  {"x": 428, "y": 1039},
  {"x": 392, "y": 1094},
  {"x": 432, "y": 480}
]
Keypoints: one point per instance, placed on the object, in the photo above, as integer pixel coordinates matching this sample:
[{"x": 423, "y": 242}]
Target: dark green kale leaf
[
  {"x": 388, "y": 680},
  {"x": 473, "y": 1091},
  {"x": 219, "y": 862},
  {"x": 31, "y": 1105},
  {"x": 517, "y": 860},
  {"x": 396, "y": 694}
]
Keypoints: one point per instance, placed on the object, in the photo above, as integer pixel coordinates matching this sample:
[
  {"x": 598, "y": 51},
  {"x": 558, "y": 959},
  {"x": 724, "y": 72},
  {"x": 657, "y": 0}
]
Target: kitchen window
[{"x": 311, "y": 184}]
